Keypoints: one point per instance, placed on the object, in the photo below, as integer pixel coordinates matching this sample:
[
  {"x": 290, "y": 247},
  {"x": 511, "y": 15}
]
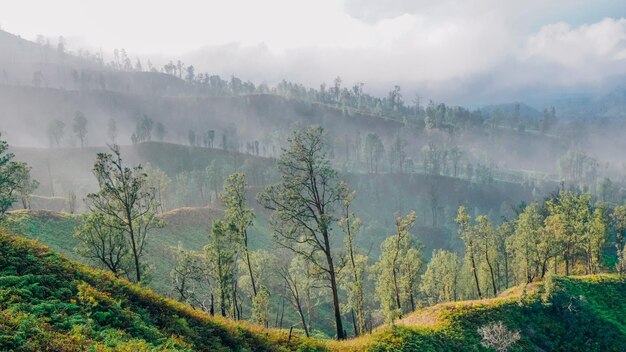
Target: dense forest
[{"x": 280, "y": 217}]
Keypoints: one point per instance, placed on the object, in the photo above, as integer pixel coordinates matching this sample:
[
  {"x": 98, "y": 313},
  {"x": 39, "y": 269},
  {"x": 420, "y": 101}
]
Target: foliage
[
  {"x": 124, "y": 205},
  {"x": 14, "y": 179},
  {"x": 50, "y": 303}
]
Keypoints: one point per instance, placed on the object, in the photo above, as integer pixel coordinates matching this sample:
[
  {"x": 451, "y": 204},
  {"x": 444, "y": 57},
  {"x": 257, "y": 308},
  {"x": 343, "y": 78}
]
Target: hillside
[
  {"x": 562, "y": 314},
  {"x": 187, "y": 227},
  {"x": 51, "y": 304}
]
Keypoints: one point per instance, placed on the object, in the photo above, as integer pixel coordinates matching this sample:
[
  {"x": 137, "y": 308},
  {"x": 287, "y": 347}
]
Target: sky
[{"x": 447, "y": 49}]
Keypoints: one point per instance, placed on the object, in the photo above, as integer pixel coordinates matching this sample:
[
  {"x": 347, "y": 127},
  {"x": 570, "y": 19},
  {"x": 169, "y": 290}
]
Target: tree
[
  {"x": 568, "y": 221},
  {"x": 261, "y": 307},
  {"x": 455, "y": 157},
  {"x": 26, "y": 185},
  {"x": 300, "y": 281},
  {"x": 397, "y": 153},
  {"x": 143, "y": 130},
  {"x": 531, "y": 247},
  {"x": 440, "y": 281},
  {"x": 397, "y": 268},
  {"x": 467, "y": 234},
  {"x": 498, "y": 336},
  {"x": 124, "y": 202},
  {"x": 486, "y": 236},
  {"x": 374, "y": 149},
  {"x": 215, "y": 172},
  {"x": 56, "y": 130},
  {"x": 158, "y": 181},
  {"x": 239, "y": 215},
  {"x": 185, "y": 275},
  {"x": 80, "y": 127},
  {"x": 304, "y": 206},
  {"x": 12, "y": 174},
  {"x": 220, "y": 254},
  {"x": 103, "y": 243},
  {"x": 595, "y": 240},
  {"x": 112, "y": 130},
  {"x": 619, "y": 222},
  {"x": 357, "y": 261}
]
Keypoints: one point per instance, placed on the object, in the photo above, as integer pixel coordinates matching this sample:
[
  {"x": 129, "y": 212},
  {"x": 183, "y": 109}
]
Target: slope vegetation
[
  {"x": 562, "y": 314},
  {"x": 49, "y": 303}
]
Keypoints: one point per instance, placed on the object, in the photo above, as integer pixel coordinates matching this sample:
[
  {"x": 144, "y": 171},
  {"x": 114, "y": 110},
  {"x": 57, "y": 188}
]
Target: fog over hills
[{"x": 404, "y": 175}]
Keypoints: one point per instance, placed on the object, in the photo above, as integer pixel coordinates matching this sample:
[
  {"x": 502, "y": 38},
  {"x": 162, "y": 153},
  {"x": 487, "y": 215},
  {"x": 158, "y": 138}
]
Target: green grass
[
  {"x": 564, "y": 314},
  {"x": 187, "y": 226},
  {"x": 49, "y": 303}
]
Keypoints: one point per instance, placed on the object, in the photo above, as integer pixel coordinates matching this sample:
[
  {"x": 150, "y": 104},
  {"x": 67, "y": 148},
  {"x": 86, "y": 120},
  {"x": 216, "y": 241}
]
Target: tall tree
[
  {"x": 357, "y": 261},
  {"x": 619, "y": 222},
  {"x": 467, "y": 234},
  {"x": 103, "y": 243},
  {"x": 441, "y": 279},
  {"x": 396, "y": 268},
  {"x": 530, "y": 245},
  {"x": 185, "y": 275},
  {"x": 373, "y": 150},
  {"x": 486, "y": 235},
  {"x": 125, "y": 202},
  {"x": 12, "y": 174},
  {"x": 304, "y": 206},
  {"x": 56, "y": 130},
  {"x": 221, "y": 259},
  {"x": 80, "y": 127},
  {"x": 239, "y": 216},
  {"x": 26, "y": 185}
]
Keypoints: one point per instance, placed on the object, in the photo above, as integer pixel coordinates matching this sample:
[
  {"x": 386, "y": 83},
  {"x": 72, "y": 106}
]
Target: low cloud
[{"x": 458, "y": 60}]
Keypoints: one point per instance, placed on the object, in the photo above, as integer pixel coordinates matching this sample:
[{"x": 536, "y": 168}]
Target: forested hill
[
  {"x": 44, "y": 87},
  {"x": 50, "y": 303}
]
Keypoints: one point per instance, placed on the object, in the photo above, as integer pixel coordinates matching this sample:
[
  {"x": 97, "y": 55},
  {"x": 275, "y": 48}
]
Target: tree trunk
[
  {"x": 336, "y": 308},
  {"x": 493, "y": 279},
  {"x": 475, "y": 275},
  {"x": 245, "y": 236}
]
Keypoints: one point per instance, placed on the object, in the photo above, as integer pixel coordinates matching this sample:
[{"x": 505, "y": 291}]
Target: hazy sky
[{"x": 447, "y": 48}]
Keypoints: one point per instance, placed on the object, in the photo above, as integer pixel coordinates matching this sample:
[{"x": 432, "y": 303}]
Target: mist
[{"x": 418, "y": 114}]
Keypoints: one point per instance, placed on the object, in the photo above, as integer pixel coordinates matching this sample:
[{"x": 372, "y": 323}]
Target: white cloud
[
  {"x": 439, "y": 48},
  {"x": 599, "y": 43}
]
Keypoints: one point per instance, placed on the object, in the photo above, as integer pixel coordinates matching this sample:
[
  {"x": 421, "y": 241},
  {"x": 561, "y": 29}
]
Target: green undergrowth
[
  {"x": 565, "y": 314},
  {"x": 49, "y": 303}
]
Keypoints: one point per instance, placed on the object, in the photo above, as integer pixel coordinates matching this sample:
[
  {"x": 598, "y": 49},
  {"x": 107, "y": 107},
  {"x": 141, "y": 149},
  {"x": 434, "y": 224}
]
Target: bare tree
[{"x": 498, "y": 336}]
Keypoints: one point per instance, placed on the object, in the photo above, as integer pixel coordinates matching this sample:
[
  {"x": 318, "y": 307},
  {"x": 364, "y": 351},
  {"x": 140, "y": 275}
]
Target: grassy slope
[
  {"x": 564, "y": 314},
  {"x": 187, "y": 226},
  {"x": 50, "y": 303}
]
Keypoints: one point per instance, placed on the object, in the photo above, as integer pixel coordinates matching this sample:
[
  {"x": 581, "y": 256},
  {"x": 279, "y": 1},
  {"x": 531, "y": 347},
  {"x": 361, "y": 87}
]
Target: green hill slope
[
  {"x": 562, "y": 314},
  {"x": 185, "y": 226},
  {"x": 48, "y": 303}
]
